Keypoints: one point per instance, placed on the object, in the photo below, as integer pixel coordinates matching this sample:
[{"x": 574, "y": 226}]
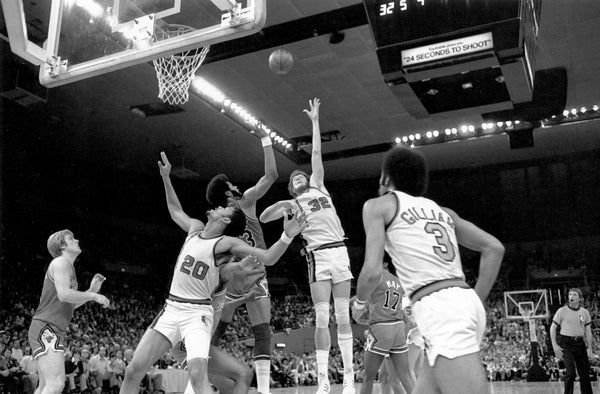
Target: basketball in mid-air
[{"x": 281, "y": 61}]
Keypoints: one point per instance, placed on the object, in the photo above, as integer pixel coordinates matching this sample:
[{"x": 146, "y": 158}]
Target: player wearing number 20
[{"x": 422, "y": 239}]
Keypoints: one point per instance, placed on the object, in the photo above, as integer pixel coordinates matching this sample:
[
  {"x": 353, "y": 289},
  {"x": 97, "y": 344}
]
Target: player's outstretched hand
[
  {"x": 313, "y": 114},
  {"x": 361, "y": 316},
  {"x": 96, "y": 283},
  {"x": 294, "y": 225},
  {"x": 102, "y": 300},
  {"x": 164, "y": 166}
]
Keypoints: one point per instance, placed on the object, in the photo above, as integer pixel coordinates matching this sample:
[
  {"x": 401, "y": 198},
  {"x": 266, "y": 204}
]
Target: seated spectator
[{"x": 30, "y": 377}]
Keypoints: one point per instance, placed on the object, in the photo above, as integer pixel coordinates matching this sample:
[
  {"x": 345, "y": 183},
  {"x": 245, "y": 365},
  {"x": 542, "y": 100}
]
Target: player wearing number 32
[
  {"x": 188, "y": 314},
  {"x": 327, "y": 256},
  {"x": 422, "y": 239}
]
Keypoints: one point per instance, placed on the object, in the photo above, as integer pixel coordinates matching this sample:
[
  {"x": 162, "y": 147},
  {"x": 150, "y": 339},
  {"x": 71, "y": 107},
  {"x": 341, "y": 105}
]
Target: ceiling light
[
  {"x": 418, "y": 136},
  {"x": 500, "y": 124},
  {"x": 432, "y": 92},
  {"x": 583, "y": 110},
  {"x": 573, "y": 111},
  {"x": 429, "y": 134},
  {"x": 405, "y": 139},
  {"x": 273, "y": 134},
  {"x": 499, "y": 79},
  {"x": 471, "y": 128},
  {"x": 454, "y": 130},
  {"x": 463, "y": 128},
  {"x": 448, "y": 131},
  {"x": 467, "y": 85},
  {"x": 484, "y": 126},
  {"x": 595, "y": 108},
  {"x": 398, "y": 140},
  {"x": 436, "y": 133},
  {"x": 411, "y": 137}
]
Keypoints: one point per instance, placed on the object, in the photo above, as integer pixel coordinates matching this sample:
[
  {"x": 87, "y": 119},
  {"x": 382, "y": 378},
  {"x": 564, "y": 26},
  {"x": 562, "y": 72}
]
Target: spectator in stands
[{"x": 99, "y": 369}]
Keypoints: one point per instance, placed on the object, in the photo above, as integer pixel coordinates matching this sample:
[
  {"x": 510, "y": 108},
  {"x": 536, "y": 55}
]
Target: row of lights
[
  {"x": 582, "y": 114},
  {"x": 236, "y": 111},
  {"x": 464, "y": 131}
]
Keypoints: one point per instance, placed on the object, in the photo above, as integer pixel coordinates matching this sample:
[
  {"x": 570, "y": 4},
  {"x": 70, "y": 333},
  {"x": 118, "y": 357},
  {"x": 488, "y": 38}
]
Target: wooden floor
[{"x": 497, "y": 388}]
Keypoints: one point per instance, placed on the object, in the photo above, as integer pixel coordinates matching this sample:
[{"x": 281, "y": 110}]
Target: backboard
[
  {"x": 522, "y": 304},
  {"x": 75, "y": 39}
]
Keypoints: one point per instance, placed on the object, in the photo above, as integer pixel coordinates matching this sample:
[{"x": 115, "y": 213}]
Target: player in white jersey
[
  {"x": 327, "y": 256},
  {"x": 422, "y": 239},
  {"x": 188, "y": 314}
]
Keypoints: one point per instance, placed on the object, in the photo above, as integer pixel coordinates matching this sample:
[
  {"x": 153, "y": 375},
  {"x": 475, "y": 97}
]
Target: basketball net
[
  {"x": 527, "y": 317},
  {"x": 176, "y": 72}
]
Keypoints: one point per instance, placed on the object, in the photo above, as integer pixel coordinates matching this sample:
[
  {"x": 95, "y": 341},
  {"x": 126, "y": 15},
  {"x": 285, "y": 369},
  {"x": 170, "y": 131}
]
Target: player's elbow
[
  {"x": 61, "y": 295},
  {"x": 494, "y": 248}
]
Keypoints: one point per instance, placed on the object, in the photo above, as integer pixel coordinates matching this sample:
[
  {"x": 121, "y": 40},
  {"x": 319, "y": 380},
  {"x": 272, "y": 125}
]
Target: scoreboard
[{"x": 402, "y": 21}]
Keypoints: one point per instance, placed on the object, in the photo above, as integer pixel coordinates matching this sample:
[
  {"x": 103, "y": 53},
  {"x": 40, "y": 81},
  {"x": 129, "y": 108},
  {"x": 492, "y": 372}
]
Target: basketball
[{"x": 281, "y": 61}]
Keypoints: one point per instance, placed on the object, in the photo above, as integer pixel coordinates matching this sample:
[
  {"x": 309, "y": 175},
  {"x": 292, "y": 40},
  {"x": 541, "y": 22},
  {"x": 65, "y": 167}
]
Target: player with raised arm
[
  {"x": 221, "y": 192},
  {"x": 58, "y": 301},
  {"x": 422, "y": 239},
  {"x": 188, "y": 314},
  {"x": 328, "y": 262}
]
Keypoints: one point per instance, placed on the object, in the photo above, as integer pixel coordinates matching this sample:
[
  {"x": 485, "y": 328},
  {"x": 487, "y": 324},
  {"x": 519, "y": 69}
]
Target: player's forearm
[
  {"x": 489, "y": 265},
  {"x": 367, "y": 281},
  {"x": 273, "y": 212},
  {"x": 316, "y": 160},
  {"x": 75, "y": 297},
  {"x": 274, "y": 253},
  {"x": 270, "y": 164},
  {"x": 173, "y": 203}
]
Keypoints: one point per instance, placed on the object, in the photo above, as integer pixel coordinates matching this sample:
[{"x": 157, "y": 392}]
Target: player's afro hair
[{"x": 407, "y": 170}]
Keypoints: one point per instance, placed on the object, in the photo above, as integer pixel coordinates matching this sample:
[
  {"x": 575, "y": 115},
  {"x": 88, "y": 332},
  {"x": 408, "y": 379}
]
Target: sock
[
  {"x": 263, "y": 371},
  {"x": 345, "y": 343},
  {"x": 323, "y": 364}
]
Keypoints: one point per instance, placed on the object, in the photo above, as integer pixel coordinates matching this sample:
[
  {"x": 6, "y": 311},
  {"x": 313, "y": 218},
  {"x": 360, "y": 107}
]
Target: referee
[{"x": 575, "y": 341}]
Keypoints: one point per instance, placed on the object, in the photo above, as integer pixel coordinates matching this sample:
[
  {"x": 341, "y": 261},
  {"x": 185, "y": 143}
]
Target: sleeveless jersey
[
  {"x": 386, "y": 300},
  {"x": 421, "y": 241},
  {"x": 253, "y": 234},
  {"x": 324, "y": 225},
  {"x": 51, "y": 309},
  {"x": 196, "y": 273}
]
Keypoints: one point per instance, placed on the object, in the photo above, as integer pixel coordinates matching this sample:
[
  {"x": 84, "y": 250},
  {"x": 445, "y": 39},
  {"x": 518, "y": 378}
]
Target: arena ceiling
[{"x": 92, "y": 124}]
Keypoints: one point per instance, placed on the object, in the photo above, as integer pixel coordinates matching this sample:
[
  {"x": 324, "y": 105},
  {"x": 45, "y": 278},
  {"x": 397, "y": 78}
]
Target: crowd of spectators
[{"x": 100, "y": 342}]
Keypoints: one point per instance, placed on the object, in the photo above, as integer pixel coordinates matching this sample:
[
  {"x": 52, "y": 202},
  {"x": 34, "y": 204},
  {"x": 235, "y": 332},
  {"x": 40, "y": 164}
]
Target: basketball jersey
[
  {"x": 253, "y": 234},
  {"x": 385, "y": 304},
  {"x": 324, "y": 225},
  {"x": 421, "y": 241},
  {"x": 51, "y": 309},
  {"x": 196, "y": 273}
]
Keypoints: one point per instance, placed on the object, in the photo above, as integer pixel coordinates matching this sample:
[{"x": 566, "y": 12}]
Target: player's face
[
  {"x": 72, "y": 244},
  {"x": 573, "y": 297},
  {"x": 299, "y": 183}
]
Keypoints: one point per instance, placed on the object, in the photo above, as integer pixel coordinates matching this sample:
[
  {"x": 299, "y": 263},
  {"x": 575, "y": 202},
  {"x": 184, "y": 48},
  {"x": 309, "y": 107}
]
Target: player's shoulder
[{"x": 381, "y": 203}]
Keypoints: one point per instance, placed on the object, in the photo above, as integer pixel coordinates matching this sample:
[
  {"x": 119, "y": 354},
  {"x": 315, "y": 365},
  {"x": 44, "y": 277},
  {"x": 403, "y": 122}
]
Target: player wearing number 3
[
  {"x": 422, "y": 239},
  {"x": 188, "y": 314},
  {"x": 327, "y": 256}
]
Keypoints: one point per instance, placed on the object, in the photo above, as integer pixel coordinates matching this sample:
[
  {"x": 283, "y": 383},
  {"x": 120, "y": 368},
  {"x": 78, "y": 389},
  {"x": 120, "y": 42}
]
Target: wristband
[
  {"x": 359, "y": 305},
  {"x": 266, "y": 141},
  {"x": 285, "y": 239}
]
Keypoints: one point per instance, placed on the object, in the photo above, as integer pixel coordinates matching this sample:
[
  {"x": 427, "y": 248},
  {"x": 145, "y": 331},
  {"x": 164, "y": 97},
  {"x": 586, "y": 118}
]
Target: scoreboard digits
[{"x": 389, "y": 7}]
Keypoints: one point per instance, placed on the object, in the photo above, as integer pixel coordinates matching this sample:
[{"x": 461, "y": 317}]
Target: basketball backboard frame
[
  {"x": 517, "y": 302},
  {"x": 235, "y": 21}
]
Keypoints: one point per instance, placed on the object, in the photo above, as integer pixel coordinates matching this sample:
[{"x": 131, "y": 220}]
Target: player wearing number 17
[
  {"x": 328, "y": 262},
  {"x": 422, "y": 239},
  {"x": 188, "y": 315}
]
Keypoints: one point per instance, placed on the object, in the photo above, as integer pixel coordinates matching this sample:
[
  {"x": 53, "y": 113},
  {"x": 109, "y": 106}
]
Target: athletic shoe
[
  {"x": 349, "y": 383},
  {"x": 323, "y": 387}
]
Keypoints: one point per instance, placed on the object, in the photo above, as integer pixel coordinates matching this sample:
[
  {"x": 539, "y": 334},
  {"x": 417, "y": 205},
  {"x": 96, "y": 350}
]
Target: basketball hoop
[{"x": 176, "y": 72}]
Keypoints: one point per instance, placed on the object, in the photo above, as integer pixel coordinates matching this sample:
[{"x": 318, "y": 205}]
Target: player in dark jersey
[
  {"x": 221, "y": 192},
  {"x": 59, "y": 299},
  {"x": 386, "y": 335}
]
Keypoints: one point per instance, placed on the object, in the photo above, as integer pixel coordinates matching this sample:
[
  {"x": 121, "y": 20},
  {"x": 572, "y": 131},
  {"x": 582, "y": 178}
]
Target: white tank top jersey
[
  {"x": 196, "y": 273},
  {"x": 421, "y": 241},
  {"x": 324, "y": 225}
]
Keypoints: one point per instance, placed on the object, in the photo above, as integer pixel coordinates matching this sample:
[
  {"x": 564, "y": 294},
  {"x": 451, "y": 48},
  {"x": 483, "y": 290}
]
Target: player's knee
[
  {"x": 135, "y": 368},
  {"x": 262, "y": 339},
  {"x": 322, "y": 315},
  {"x": 198, "y": 371},
  {"x": 342, "y": 310}
]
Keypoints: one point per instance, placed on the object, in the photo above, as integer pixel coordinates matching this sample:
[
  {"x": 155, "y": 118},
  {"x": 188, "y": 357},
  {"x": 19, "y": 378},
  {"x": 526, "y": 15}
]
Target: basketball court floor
[{"x": 496, "y": 388}]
